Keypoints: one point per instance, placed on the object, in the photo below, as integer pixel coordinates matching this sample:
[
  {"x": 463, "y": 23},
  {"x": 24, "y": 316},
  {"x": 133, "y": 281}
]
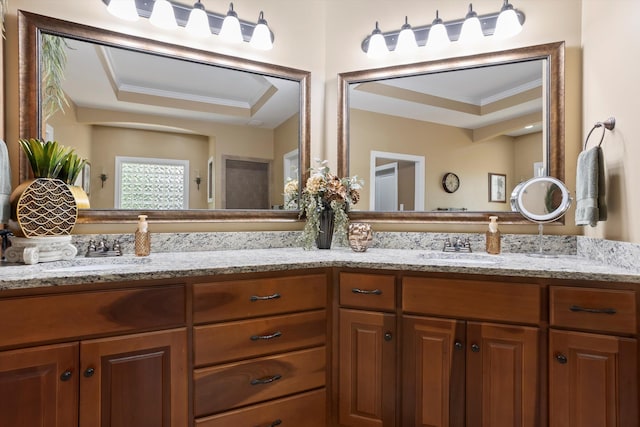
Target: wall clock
[{"x": 450, "y": 182}]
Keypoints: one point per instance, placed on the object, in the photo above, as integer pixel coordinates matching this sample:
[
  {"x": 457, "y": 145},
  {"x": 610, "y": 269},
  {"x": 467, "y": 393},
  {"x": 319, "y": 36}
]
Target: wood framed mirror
[
  {"x": 494, "y": 113},
  {"x": 198, "y": 102}
]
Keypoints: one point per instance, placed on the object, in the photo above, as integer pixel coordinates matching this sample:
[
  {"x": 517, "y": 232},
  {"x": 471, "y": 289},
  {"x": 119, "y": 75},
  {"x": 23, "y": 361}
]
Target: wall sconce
[
  {"x": 103, "y": 178},
  {"x": 196, "y": 20},
  {"x": 198, "y": 180},
  {"x": 505, "y": 23}
]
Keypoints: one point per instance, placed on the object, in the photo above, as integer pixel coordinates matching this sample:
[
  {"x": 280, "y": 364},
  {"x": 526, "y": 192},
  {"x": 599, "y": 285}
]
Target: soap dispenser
[
  {"x": 493, "y": 236},
  {"x": 143, "y": 238}
]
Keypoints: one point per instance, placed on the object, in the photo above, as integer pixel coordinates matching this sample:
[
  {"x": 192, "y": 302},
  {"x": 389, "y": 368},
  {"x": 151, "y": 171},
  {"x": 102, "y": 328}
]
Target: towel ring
[{"x": 608, "y": 124}]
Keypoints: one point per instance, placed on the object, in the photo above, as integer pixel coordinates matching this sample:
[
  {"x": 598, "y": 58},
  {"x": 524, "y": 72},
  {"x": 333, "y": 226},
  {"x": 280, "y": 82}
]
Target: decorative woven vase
[
  {"x": 323, "y": 241},
  {"x": 44, "y": 207}
]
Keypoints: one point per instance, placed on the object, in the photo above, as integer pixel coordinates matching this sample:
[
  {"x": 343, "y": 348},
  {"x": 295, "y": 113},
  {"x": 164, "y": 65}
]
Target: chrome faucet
[
  {"x": 102, "y": 249},
  {"x": 457, "y": 245}
]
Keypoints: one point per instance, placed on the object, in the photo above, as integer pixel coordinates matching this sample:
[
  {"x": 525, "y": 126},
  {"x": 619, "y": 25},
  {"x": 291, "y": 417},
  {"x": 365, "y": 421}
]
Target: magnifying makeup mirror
[{"x": 541, "y": 200}]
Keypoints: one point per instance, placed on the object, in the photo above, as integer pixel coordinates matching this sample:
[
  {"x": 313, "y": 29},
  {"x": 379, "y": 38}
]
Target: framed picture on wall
[
  {"x": 497, "y": 187},
  {"x": 210, "y": 180}
]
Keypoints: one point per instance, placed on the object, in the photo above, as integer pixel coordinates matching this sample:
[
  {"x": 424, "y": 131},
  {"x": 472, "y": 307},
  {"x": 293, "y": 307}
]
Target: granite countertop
[{"x": 180, "y": 264}]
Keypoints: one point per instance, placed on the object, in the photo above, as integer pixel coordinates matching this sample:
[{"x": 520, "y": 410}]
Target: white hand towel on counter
[
  {"x": 5, "y": 184},
  {"x": 590, "y": 188}
]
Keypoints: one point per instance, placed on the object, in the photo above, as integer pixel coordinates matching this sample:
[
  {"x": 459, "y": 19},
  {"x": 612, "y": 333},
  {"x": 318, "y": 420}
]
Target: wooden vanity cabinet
[
  {"x": 593, "y": 357},
  {"x": 117, "y": 380},
  {"x": 260, "y": 354},
  {"x": 367, "y": 350},
  {"x": 461, "y": 372}
]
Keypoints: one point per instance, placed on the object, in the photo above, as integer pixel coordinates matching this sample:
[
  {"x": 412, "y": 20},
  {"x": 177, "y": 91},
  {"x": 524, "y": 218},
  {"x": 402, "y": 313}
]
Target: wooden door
[
  {"x": 367, "y": 373},
  {"x": 135, "y": 380},
  {"x": 503, "y": 384},
  {"x": 585, "y": 385},
  {"x": 39, "y": 386},
  {"x": 433, "y": 372}
]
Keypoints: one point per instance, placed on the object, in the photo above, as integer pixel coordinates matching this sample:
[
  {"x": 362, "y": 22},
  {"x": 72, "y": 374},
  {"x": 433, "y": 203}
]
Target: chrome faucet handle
[
  {"x": 92, "y": 246},
  {"x": 116, "y": 246}
]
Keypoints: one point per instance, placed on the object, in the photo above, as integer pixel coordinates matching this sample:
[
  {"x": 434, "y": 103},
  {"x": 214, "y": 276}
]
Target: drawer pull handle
[
  {"x": 266, "y": 337},
  {"x": 265, "y": 298},
  {"x": 266, "y": 380},
  {"x": 366, "y": 292},
  {"x": 577, "y": 308},
  {"x": 276, "y": 423},
  {"x": 561, "y": 358},
  {"x": 66, "y": 375}
]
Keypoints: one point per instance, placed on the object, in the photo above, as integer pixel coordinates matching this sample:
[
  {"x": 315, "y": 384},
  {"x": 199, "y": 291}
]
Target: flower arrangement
[
  {"x": 291, "y": 194},
  {"x": 324, "y": 191}
]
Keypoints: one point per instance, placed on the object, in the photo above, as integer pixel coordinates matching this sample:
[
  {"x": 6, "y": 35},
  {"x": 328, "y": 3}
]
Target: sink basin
[
  {"x": 95, "y": 264},
  {"x": 458, "y": 257}
]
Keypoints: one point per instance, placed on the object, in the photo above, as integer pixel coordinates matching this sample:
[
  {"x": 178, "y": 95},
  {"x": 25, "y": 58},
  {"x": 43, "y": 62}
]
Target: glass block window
[{"x": 147, "y": 183}]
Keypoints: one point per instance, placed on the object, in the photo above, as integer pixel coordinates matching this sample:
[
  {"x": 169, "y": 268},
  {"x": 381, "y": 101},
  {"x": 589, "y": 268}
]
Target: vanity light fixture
[
  {"x": 179, "y": 15},
  {"x": 490, "y": 24}
]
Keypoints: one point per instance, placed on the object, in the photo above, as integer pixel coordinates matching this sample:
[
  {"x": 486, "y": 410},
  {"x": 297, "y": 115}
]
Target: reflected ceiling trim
[{"x": 505, "y": 127}]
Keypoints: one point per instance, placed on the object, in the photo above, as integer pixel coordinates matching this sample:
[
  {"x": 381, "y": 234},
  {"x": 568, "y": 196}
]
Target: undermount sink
[
  {"x": 95, "y": 264},
  {"x": 459, "y": 257}
]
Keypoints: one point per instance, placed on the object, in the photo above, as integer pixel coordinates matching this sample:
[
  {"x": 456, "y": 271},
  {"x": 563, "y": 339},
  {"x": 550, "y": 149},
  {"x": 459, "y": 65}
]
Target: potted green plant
[
  {"x": 47, "y": 205},
  {"x": 325, "y": 202}
]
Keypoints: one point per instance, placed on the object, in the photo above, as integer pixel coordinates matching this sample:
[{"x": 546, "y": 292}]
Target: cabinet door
[
  {"x": 433, "y": 372},
  {"x": 136, "y": 380},
  {"x": 367, "y": 376},
  {"x": 503, "y": 384},
  {"x": 592, "y": 380},
  {"x": 39, "y": 386}
]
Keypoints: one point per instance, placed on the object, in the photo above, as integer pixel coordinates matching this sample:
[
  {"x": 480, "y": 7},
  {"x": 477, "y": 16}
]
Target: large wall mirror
[
  {"x": 448, "y": 141},
  {"x": 220, "y": 135}
]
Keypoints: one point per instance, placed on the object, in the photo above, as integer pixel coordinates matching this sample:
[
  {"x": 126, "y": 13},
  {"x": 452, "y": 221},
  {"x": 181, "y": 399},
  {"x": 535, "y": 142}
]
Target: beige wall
[
  {"x": 285, "y": 139},
  {"x": 610, "y": 42},
  {"x": 327, "y": 42}
]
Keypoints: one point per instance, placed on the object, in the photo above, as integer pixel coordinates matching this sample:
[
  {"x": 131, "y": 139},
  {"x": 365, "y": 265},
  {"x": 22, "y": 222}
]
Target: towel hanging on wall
[
  {"x": 591, "y": 180},
  {"x": 5, "y": 184}
]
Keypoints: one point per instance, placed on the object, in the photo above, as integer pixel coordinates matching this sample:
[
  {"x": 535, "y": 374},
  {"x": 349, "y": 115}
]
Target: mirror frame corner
[
  {"x": 31, "y": 26},
  {"x": 552, "y": 52}
]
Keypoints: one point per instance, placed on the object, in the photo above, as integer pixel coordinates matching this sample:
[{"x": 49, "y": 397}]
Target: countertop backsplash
[{"x": 213, "y": 241}]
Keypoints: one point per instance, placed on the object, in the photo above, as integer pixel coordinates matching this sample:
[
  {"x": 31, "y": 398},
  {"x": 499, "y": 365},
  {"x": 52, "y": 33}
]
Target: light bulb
[
  {"x": 377, "y": 44},
  {"x": 123, "y": 9},
  {"x": 198, "y": 23},
  {"x": 261, "y": 38},
  {"x": 438, "y": 37},
  {"x": 508, "y": 24},
  {"x": 162, "y": 15},
  {"x": 471, "y": 29},
  {"x": 230, "y": 31},
  {"x": 406, "y": 39}
]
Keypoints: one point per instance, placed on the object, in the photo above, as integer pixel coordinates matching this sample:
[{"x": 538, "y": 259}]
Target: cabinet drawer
[
  {"x": 237, "y": 299},
  {"x": 306, "y": 409},
  {"x": 372, "y": 291},
  {"x": 229, "y": 386},
  {"x": 223, "y": 342},
  {"x": 66, "y": 316},
  {"x": 605, "y": 310},
  {"x": 472, "y": 299}
]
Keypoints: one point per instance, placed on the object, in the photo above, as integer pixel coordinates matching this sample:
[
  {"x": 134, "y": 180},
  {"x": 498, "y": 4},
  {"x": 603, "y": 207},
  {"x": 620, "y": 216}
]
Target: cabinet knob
[
  {"x": 458, "y": 345},
  {"x": 66, "y": 375},
  {"x": 89, "y": 372},
  {"x": 561, "y": 358},
  {"x": 388, "y": 336},
  {"x": 475, "y": 348}
]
